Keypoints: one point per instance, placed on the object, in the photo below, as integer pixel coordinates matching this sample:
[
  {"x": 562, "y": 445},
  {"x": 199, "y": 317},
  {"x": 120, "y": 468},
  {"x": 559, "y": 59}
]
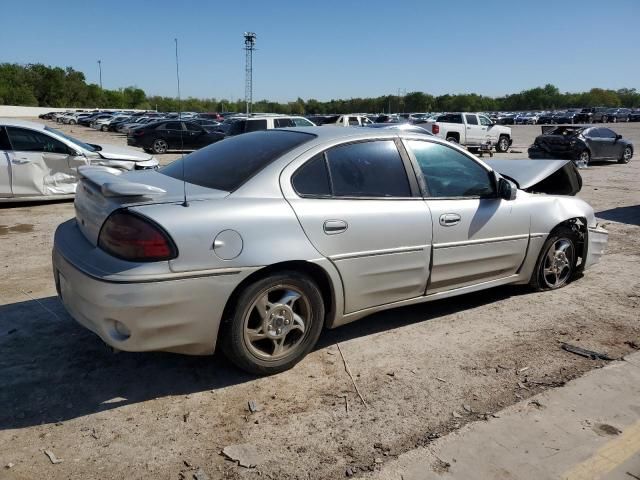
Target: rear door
[
  {"x": 477, "y": 237},
  {"x": 172, "y": 133},
  {"x": 39, "y": 164},
  {"x": 360, "y": 209},
  {"x": 195, "y": 136},
  {"x": 5, "y": 166}
]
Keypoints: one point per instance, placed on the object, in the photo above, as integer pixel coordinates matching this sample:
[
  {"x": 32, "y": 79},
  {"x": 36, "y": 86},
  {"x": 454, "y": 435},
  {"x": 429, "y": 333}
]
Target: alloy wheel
[
  {"x": 277, "y": 322},
  {"x": 558, "y": 263},
  {"x": 160, "y": 146}
]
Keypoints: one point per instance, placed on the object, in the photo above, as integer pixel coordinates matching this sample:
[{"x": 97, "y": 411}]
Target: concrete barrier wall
[{"x": 14, "y": 111}]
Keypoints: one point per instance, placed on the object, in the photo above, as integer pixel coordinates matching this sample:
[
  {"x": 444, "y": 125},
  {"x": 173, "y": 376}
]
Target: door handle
[
  {"x": 449, "y": 219},
  {"x": 331, "y": 227},
  {"x": 20, "y": 161}
]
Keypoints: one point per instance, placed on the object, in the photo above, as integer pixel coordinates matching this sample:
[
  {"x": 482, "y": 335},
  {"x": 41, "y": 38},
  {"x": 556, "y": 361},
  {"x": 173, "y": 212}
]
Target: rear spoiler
[{"x": 111, "y": 184}]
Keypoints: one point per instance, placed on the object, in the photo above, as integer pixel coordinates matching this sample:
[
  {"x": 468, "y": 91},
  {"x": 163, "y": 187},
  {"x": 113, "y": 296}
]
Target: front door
[
  {"x": 477, "y": 237},
  {"x": 357, "y": 207},
  {"x": 475, "y": 133},
  {"x": 610, "y": 146},
  {"x": 39, "y": 164}
]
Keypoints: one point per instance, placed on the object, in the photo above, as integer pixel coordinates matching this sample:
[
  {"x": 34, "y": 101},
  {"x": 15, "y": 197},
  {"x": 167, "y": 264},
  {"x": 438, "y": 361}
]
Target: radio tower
[{"x": 249, "y": 47}]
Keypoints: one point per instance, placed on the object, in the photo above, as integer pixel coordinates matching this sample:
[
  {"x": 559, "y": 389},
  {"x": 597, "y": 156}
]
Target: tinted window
[
  {"x": 255, "y": 125},
  {"x": 606, "y": 133},
  {"x": 283, "y": 122},
  {"x": 313, "y": 178},
  {"x": 4, "y": 140},
  {"x": 591, "y": 133},
  {"x": 172, "y": 126},
  {"x": 193, "y": 127},
  {"x": 450, "y": 118},
  {"x": 353, "y": 121},
  {"x": 471, "y": 119},
  {"x": 228, "y": 164},
  {"x": 449, "y": 173},
  {"x": 368, "y": 169},
  {"x": 31, "y": 141}
]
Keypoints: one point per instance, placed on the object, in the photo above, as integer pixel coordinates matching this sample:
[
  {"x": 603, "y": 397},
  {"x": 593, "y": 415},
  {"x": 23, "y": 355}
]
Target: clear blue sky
[{"x": 327, "y": 49}]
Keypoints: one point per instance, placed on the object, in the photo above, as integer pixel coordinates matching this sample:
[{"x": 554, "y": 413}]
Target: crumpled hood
[
  {"x": 554, "y": 177},
  {"x": 114, "y": 152}
]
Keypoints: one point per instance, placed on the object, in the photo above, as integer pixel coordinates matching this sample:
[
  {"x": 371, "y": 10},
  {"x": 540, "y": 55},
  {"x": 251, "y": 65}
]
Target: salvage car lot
[{"x": 157, "y": 415}]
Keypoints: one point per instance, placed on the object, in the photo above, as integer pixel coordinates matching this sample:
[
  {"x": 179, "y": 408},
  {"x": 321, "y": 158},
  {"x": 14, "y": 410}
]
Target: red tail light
[
  {"x": 435, "y": 129},
  {"x": 135, "y": 238}
]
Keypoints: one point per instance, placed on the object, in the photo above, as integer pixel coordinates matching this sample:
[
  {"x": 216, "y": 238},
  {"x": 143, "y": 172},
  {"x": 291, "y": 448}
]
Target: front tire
[
  {"x": 159, "y": 146},
  {"x": 275, "y": 323},
  {"x": 556, "y": 264},
  {"x": 503, "y": 144},
  {"x": 627, "y": 153},
  {"x": 104, "y": 128},
  {"x": 584, "y": 157}
]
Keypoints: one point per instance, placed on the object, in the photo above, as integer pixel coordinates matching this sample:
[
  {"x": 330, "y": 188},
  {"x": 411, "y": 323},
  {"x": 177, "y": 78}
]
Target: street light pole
[{"x": 100, "y": 72}]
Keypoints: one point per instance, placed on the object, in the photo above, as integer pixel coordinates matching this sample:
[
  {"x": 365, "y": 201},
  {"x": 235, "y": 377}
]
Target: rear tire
[
  {"x": 585, "y": 156},
  {"x": 104, "y": 128},
  {"x": 275, "y": 323},
  {"x": 556, "y": 265},
  {"x": 159, "y": 146},
  {"x": 452, "y": 140}
]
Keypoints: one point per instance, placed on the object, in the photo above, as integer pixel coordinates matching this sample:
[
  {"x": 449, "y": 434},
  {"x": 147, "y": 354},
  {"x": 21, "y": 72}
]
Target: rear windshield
[{"x": 227, "y": 164}]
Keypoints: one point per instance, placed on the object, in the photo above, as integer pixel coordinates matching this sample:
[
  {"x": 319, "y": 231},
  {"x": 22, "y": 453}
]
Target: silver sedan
[{"x": 258, "y": 242}]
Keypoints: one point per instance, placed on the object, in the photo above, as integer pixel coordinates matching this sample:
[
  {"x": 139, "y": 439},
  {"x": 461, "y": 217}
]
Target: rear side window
[
  {"x": 450, "y": 118},
  {"x": 283, "y": 122},
  {"x": 226, "y": 165},
  {"x": 449, "y": 173},
  {"x": 471, "y": 119},
  {"x": 368, "y": 169},
  {"x": 25, "y": 140},
  {"x": 4, "y": 140},
  {"x": 172, "y": 126},
  {"x": 313, "y": 178},
  {"x": 255, "y": 125}
]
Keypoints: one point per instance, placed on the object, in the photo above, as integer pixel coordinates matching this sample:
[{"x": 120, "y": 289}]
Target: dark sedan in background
[
  {"x": 160, "y": 137},
  {"x": 581, "y": 144}
]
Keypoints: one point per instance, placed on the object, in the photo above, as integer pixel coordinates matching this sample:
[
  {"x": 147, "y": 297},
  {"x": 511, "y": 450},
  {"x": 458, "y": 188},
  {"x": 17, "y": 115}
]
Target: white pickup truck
[
  {"x": 471, "y": 130},
  {"x": 348, "y": 121}
]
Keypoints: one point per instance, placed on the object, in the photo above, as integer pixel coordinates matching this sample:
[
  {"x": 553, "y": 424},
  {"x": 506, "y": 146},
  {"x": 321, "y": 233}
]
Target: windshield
[
  {"x": 227, "y": 164},
  {"x": 77, "y": 142}
]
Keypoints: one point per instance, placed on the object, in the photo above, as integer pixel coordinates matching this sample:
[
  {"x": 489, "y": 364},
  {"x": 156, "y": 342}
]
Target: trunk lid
[{"x": 102, "y": 190}]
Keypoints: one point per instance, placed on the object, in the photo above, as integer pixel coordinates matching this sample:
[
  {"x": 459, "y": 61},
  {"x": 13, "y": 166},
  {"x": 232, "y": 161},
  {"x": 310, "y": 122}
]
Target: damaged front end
[{"x": 553, "y": 177}]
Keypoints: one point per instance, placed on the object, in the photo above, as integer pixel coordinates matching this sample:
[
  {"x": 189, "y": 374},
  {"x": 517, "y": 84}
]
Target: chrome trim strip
[
  {"x": 385, "y": 251},
  {"x": 481, "y": 241}
]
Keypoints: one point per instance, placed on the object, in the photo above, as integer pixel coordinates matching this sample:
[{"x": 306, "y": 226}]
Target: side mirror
[
  {"x": 618, "y": 136},
  {"x": 506, "y": 189}
]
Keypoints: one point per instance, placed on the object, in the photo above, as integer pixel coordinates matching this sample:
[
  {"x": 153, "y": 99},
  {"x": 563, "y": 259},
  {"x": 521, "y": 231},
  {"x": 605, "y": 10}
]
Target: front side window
[
  {"x": 368, "y": 169},
  {"x": 484, "y": 120},
  {"x": 449, "y": 173},
  {"x": 606, "y": 133},
  {"x": 192, "y": 127},
  {"x": 471, "y": 119},
  {"x": 25, "y": 140},
  {"x": 302, "y": 122}
]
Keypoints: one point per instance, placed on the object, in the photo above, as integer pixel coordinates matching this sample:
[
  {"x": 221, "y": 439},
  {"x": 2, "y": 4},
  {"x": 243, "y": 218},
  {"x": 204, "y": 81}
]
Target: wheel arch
[
  {"x": 313, "y": 270},
  {"x": 579, "y": 226}
]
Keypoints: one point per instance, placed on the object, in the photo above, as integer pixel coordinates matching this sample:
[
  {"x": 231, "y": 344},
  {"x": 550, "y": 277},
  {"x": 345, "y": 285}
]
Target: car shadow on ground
[
  {"x": 53, "y": 370},
  {"x": 629, "y": 215}
]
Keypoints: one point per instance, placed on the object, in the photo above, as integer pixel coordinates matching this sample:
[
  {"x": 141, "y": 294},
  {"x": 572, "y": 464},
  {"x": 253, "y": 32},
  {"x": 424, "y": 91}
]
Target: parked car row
[{"x": 569, "y": 116}]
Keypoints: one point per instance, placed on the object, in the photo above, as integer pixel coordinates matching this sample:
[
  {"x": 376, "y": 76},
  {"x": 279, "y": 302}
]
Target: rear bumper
[
  {"x": 597, "y": 238},
  {"x": 180, "y": 315}
]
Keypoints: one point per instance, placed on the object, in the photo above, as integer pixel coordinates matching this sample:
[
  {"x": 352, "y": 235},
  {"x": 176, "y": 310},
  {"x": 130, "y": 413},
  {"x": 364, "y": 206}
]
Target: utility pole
[
  {"x": 100, "y": 72},
  {"x": 249, "y": 47}
]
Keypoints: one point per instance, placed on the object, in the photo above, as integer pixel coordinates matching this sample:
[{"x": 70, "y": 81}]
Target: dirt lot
[{"x": 423, "y": 371}]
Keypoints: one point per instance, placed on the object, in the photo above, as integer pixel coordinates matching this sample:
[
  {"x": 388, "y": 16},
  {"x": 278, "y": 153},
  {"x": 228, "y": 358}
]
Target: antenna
[{"x": 184, "y": 181}]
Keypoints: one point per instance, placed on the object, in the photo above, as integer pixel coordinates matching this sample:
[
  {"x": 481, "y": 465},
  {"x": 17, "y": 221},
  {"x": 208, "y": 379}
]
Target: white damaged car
[{"x": 41, "y": 163}]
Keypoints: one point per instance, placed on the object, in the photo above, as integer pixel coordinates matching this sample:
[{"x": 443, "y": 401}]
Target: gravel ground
[{"x": 423, "y": 370}]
